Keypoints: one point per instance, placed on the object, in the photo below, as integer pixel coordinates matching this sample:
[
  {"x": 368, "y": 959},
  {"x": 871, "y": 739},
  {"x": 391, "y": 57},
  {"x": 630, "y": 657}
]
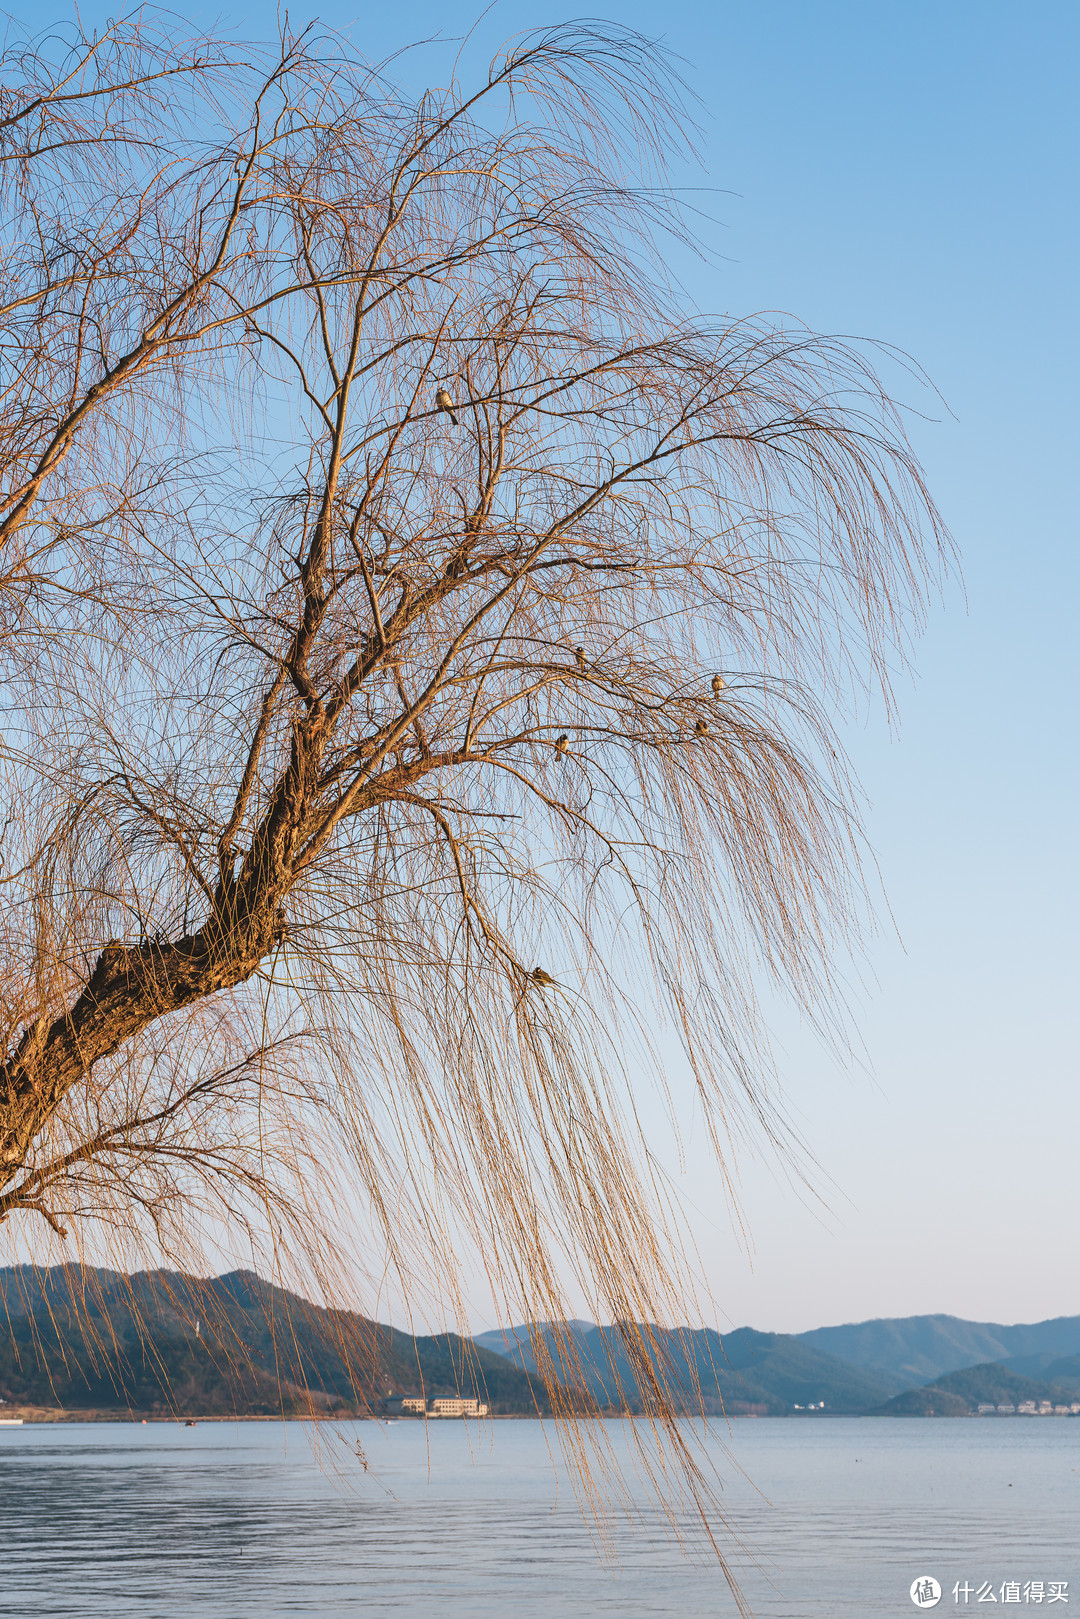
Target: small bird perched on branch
[
  {"x": 717, "y": 685},
  {"x": 562, "y": 745},
  {"x": 539, "y": 976},
  {"x": 701, "y": 728},
  {"x": 579, "y": 655},
  {"x": 443, "y": 401}
]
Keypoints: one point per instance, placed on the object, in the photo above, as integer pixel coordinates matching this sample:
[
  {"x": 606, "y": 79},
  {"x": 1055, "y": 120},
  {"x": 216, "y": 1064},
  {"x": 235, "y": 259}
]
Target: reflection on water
[{"x": 242, "y": 1521}]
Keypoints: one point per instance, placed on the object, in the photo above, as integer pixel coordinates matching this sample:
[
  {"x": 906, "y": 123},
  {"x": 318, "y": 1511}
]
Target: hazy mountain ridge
[
  {"x": 959, "y": 1394},
  {"x": 922, "y": 1348},
  {"x": 770, "y": 1371},
  {"x": 844, "y": 1364}
]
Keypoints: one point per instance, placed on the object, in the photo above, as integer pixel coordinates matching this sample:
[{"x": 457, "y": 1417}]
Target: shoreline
[{"x": 28, "y": 1417}]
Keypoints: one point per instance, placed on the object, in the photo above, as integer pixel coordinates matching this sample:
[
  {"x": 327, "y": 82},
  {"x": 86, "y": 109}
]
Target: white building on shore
[{"x": 445, "y": 1406}]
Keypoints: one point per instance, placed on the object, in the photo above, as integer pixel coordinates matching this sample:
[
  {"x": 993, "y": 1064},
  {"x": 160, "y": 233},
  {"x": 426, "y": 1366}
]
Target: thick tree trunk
[{"x": 129, "y": 988}]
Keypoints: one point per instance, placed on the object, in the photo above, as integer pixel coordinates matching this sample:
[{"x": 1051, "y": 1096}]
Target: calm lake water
[{"x": 244, "y": 1521}]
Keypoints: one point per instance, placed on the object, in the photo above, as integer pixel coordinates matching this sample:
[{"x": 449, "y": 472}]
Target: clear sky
[{"x": 909, "y": 173}]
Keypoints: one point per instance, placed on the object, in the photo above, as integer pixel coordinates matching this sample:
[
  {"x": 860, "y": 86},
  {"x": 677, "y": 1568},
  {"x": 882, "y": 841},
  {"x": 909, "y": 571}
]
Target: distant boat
[{"x": 11, "y": 1422}]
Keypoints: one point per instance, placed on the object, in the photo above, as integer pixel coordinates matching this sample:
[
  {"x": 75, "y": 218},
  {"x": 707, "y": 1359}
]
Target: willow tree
[{"x": 424, "y": 637}]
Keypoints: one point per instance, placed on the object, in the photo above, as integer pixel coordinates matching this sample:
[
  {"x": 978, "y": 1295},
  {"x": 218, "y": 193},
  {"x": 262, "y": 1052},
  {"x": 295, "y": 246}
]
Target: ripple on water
[{"x": 243, "y": 1521}]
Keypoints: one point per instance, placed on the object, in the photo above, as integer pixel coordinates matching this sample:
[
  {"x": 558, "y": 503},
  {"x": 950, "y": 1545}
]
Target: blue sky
[{"x": 909, "y": 173}]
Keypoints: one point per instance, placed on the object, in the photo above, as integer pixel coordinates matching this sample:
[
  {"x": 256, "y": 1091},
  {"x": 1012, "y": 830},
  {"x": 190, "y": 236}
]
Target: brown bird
[
  {"x": 701, "y": 728},
  {"x": 562, "y": 745},
  {"x": 579, "y": 655},
  {"x": 539, "y": 976},
  {"x": 717, "y": 685},
  {"x": 443, "y": 401}
]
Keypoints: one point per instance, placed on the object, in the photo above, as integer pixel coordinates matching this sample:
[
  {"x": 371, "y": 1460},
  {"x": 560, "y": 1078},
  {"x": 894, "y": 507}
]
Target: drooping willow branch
[{"x": 423, "y": 642}]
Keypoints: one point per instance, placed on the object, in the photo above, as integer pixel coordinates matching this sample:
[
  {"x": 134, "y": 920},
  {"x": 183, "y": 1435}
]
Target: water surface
[{"x": 244, "y": 1521}]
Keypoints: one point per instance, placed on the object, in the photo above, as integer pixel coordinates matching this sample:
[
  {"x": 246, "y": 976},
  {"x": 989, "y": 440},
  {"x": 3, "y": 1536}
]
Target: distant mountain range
[
  {"x": 921, "y": 1348},
  {"x": 769, "y": 1373},
  {"x": 845, "y": 1369},
  {"x": 162, "y": 1343}
]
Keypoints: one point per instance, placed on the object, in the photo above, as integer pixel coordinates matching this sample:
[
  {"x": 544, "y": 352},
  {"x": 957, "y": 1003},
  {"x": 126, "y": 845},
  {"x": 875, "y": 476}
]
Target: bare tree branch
[{"x": 368, "y": 784}]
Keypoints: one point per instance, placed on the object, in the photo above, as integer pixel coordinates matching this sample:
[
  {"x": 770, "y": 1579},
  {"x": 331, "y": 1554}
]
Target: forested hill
[
  {"x": 767, "y": 1372},
  {"x": 160, "y": 1342},
  {"x": 922, "y": 1348},
  {"x": 959, "y": 1394}
]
